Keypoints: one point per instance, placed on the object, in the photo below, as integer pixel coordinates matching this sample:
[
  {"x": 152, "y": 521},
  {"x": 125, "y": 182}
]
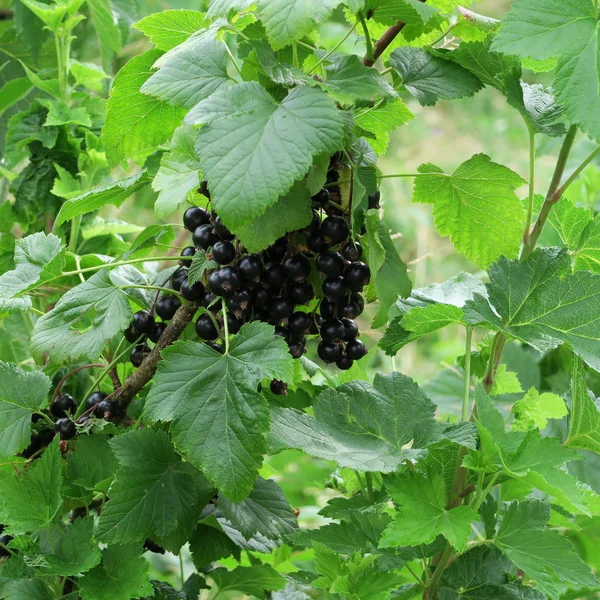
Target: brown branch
[
  {"x": 114, "y": 377},
  {"x": 136, "y": 381},
  {"x": 386, "y": 39}
]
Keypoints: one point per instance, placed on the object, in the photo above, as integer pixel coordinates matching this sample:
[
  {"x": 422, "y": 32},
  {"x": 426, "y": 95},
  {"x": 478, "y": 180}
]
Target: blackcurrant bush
[
  {"x": 230, "y": 279},
  {"x": 296, "y": 349},
  {"x": 334, "y": 288},
  {"x": 167, "y": 306},
  {"x": 223, "y": 252},
  {"x": 350, "y": 329},
  {"x": 300, "y": 322},
  {"x": 204, "y": 237},
  {"x": 178, "y": 278},
  {"x": 188, "y": 253},
  {"x": 130, "y": 335},
  {"x": 142, "y": 322},
  {"x": 331, "y": 264},
  {"x": 297, "y": 268},
  {"x": 374, "y": 199},
  {"x": 95, "y": 398},
  {"x": 138, "y": 354},
  {"x": 205, "y": 328},
  {"x": 222, "y": 231},
  {"x": 352, "y": 251},
  {"x": 260, "y": 298},
  {"x": 233, "y": 323},
  {"x": 193, "y": 293},
  {"x": 321, "y": 198},
  {"x": 157, "y": 332},
  {"x": 63, "y": 405},
  {"x": 195, "y": 216},
  {"x": 317, "y": 243},
  {"x": 328, "y": 309},
  {"x": 329, "y": 352},
  {"x": 279, "y": 388},
  {"x": 335, "y": 229},
  {"x": 301, "y": 292},
  {"x": 107, "y": 409},
  {"x": 357, "y": 275},
  {"x": 281, "y": 308},
  {"x": 250, "y": 267},
  {"x": 355, "y": 349},
  {"x": 344, "y": 363},
  {"x": 283, "y": 332},
  {"x": 332, "y": 331},
  {"x": 65, "y": 428},
  {"x": 274, "y": 275}
]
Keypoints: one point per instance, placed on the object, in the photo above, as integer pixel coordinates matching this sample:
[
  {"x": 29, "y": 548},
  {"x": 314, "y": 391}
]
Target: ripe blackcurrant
[
  {"x": 260, "y": 298},
  {"x": 242, "y": 298},
  {"x": 194, "y": 217},
  {"x": 193, "y": 293},
  {"x": 95, "y": 398},
  {"x": 274, "y": 275},
  {"x": 233, "y": 323},
  {"x": 167, "y": 306},
  {"x": 281, "y": 308},
  {"x": 297, "y": 268},
  {"x": 142, "y": 322},
  {"x": 334, "y": 288},
  {"x": 335, "y": 229},
  {"x": 223, "y": 252},
  {"x": 204, "y": 237},
  {"x": 357, "y": 275},
  {"x": 130, "y": 335},
  {"x": 222, "y": 231},
  {"x": 213, "y": 283},
  {"x": 62, "y": 405},
  {"x": 157, "y": 332},
  {"x": 250, "y": 267},
  {"x": 301, "y": 292},
  {"x": 332, "y": 331},
  {"x": 65, "y": 428},
  {"x": 313, "y": 227},
  {"x": 277, "y": 251},
  {"x": 331, "y": 264},
  {"x": 329, "y": 352},
  {"x": 344, "y": 363},
  {"x": 316, "y": 322},
  {"x": 332, "y": 176},
  {"x": 355, "y": 349},
  {"x": 279, "y": 388},
  {"x": 283, "y": 332},
  {"x": 230, "y": 280},
  {"x": 317, "y": 243},
  {"x": 138, "y": 354},
  {"x": 296, "y": 349},
  {"x": 328, "y": 309},
  {"x": 374, "y": 199},
  {"x": 216, "y": 346},
  {"x": 350, "y": 329},
  {"x": 352, "y": 251},
  {"x": 300, "y": 322},
  {"x": 178, "y": 278},
  {"x": 187, "y": 252},
  {"x": 205, "y": 328},
  {"x": 107, "y": 409},
  {"x": 321, "y": 198}
]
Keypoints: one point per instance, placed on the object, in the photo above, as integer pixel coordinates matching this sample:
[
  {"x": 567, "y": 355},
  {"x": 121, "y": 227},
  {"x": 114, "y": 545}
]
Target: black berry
[
  {"x": 167, "y": 306},
  {"x": 329, "y": 352},
  {"x": 279, "y": 388},
  {"x": 296, "y": 349},
  {"x": 63, "y": 405},
  {"x": 205, "y": 328},
  {"x": 260, "y": 298},
  {"x": 157, "y": 332},
  {"x": 301, "y": 292},
  {"x": 95, "y": 398},
  {"x": 317, "y": 243},
  {"x": 355, "y": 349},
  {"x": 283, "y": 332},
  {"x": 300, "y": 322},
  {"x": 328, "y": 309},
  {"x": 223, "y": 252},
  {"x": 281, "y": 308},
  {"x": 332, "y": 331},
  {"x": 334, "y": 288},
  {"x": 321, "y": 198},
  {"x": 194, "y": 217},
  {"x": 65, "y": 428},
  {"x": 138, "y": 354},
  {"x": 187, "y": 252},
  {"x": 357, "y": 275},
  {"x": 233, "y": 323},
  {"x": 250, "y": 267},
  {"x": 274, "y": 275},
  {"x": 204, "y": 237},
  {"x": 142, "y": 322},
  {"x": 178, "y": 278},
  {"x": 130, "y": 335},
  {"x": 352, "y": 251},
  {"x": 374, "y": 199},
  {"x": 331, "y": 264},
  {"x": 350, "y": 329},
  {"x": 222, "y": 231},
  {"x": 230, "y": 280},
  {"x": 344, "y": 363},
  {"x": 335, "y": 229},
  {"x": 193, "y": 293},
  {"x": 297, "y": 268},
  {"x": 106, "y": 410}
]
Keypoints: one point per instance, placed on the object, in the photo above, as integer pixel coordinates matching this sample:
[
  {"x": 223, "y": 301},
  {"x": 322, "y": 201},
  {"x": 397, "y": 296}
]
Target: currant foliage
[{"x": 166, "y": 390}]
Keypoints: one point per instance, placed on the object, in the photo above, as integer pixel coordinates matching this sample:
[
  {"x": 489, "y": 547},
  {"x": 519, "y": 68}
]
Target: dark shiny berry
[
  {"x": 357, "y": 275},
  {"x": 95, "y": 399},
  {"x": 216, "y": 346},
  {"x": 296, "y": 349},
  {"x": 130, "y": 335},
  {"x": 167, "y": 306},
  {"x": 359, "y": 301},
  {"x": 374, "y": 199},
  {"x": 260, "y": 298},
  {"x": 250, "y": 267},
  {"x": 332, "y": 331},
  {"x": 207, "y": 299},
  {"x": 350, "y": 329},
  {"x": 335, "y": 229},
  {"x": 279, "y": 388},
  {"x": 204, "y": 237},
  {"x": 328, "y": 309},
  {"x": 178, "y": 278},
  {"x": 300, "y": 322},
  {"x": 281, "y": 308},
  {"x": 352, "y": 251},
  {"x": 230, "y": 280},
  {"x": 316, "y": 322},
  {"x": 278, "y": 250},
  {"x": 297, "y": 268},
  {"x": 317, "y": 243},
  {"x": 107, "y": 409},
  {"x": 344, "y": 363},
  {"x": 157, "y": 332},
  {"x": 194, "y": 217},
  {"x": 223, "y": 252},
  {"x": 153, "y": 547},
  {"x": 355, "y": 349},
  {"x": 142, "y": 322},
  {"x": 331, "y": 264},
  {"x": 301, "y": 292},
  {"x": 187, "y": 252},
  {"x": 332, "y": 176},
  {"x": 214, "y": 284},
  {"x": 274, "y": 275},
  {"x": 334, "y": 288},
  {"x": 65, "y": 428},
  {"x": 205, "y": 328},
  {"x": 233, "y": 324},
  {"x": 4, "y": 541},
  {"x": 83, "y": 420},
  {"x": 313, "y": 227},
  {"x": 138, "y": 354},
  {"x": 193, "y": 293},
  {"x": 321, "y": 198},
  {"x": 204, "y": 188},
  {"x": 242, "y": 298},
  {"x": 63, "y": 405},
  {"x": 283, "y": 332},
  {"x": 222, "y": 231},
  {"x": 329, "y": 352}
]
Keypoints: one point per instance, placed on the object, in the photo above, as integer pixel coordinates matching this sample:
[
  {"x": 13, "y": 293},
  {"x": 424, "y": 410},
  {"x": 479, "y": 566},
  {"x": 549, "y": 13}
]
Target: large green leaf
[
  {"x": 218, "y": 419},
  {"x": 169, "y": 28},
  {"x": 382, "y": 120},
  {"x": 252, "y": 149},
  {"x": 254, "y": 580},
  {"x": 21, "y": 394},
  {"x": 135, "y": 123},
  {"x": 543, "y": 29},
  {"x": 584, "y": 420},
  {"x": 476, "y": 206},
  {"x": 154, "y": 491},
  {"x": 106, "y": 28},
  {"x": 412, "y": 12}
]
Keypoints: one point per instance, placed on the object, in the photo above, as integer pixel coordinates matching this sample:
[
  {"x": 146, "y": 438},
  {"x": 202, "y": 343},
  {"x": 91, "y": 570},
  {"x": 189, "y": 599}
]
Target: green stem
[
  {"x": 225, "y": 328},
  {"x": 369, "y": 53},
  {"x": 74, "y": 235},
  {"x": 370, "y": 492},
  {"x": 414, "y": 574},
  {"x": 576, "y": 173},
  {"x": 235, "y": 64},
  {"x": 484, "y": 494},
  {"x": 181, "y": 573},
  {"x": 531, "y": 184},
  {"x": 495, "y": 355},
  {"x": 467, "y": 390},
  {"x": 386, "y": 71},
  {"x": 295, "y": 61},
  {"x": 328, "y": 54},
  {"x": 152, "y": 287},
  {"x": 443, "y": 36},
  {"x": 430, "y": 591}
]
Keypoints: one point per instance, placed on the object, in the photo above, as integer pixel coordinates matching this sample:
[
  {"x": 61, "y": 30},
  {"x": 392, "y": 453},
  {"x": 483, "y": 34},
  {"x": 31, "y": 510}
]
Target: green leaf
[
  {"x": 179, "y": 172},
  {"x": 21, "y": 394},
  {"x": 291, "y": 212},
  {"x": 220, "y": 8},
  {"x": 545, "y": 556},
  {"x": 382, "y": 120},
  {"x": 265, "y": 511},
  {"x": 191, "y": 75},
  {"x": 28, "y": 126},
  {"x": 169, "y": 28},
  {"x": 31, "y": 500},
  {"x": 123, "y": 574},
  {"x": 218, "y": 419},
  {"x": 29, "y": 589},
  {"x": 113, "y": 193},
  {"x": 209, "y": 544},
  {"x": 389, "y": 276},
  {"x": 534, "y": 410},
  {"x": 149, "y": 237},
  {"x": 570, "y": 222},
  {"x": 106, "y": 28},
  {"x": 476, "y": 206},
  {"x": 549, "y": 28},
  {"x": 506, "y": 382},
  {"x": 422, "y": 515},
  {"x": 154, "y": 491},
  {"x": 13, "y": 91},
  {"x": 407, "y": 11},
  {"x": 135, "y": 123},
  {"x": 587, "y": 254},
  {"x": 246, "y": 132},
  {"x": 261, "y": 56},
  {"x": 286, "y": 21},
  {"x": 200, "y": 264},
  {"x": 254, "y": 580},
  {"x": 85, "y": 318},
  {"x": 584, "y": 421},
  {"x": 348, "y": 80},
  {"x": 542, "y": 303},
  {"x": 430, "y": 78},
  {"x": 60, "y": 113}
]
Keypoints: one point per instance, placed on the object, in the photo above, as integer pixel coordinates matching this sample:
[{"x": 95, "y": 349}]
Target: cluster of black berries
[{"x": 144, "y": 327}]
